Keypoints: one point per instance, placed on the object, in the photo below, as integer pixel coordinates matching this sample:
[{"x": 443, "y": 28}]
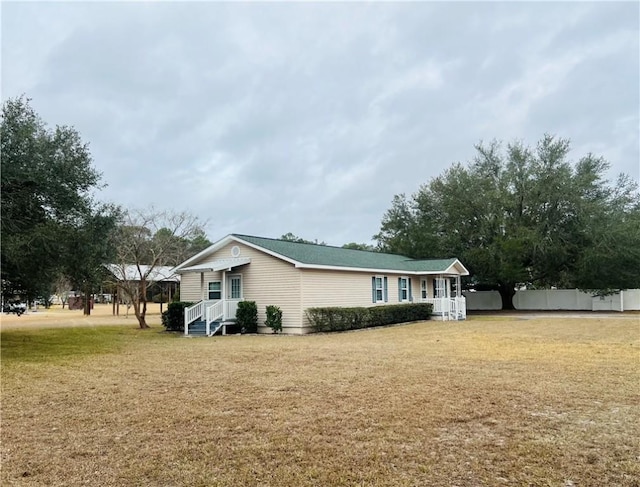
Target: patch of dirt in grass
[{"x": 541, "y": 402}]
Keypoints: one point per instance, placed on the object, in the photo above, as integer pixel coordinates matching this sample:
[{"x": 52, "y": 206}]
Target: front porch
[
  {"x": 220, "y": 289},
  {"x": 209, "y": 316},
  {"x": 446, "y": 309},
  {"x": 444, "y": 292}
]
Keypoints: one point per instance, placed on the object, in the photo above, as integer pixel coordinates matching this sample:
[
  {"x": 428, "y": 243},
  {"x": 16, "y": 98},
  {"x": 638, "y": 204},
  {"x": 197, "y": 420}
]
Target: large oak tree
[
  {"x": 47, "y": 209},
  {"x": 524, "y": 216}
]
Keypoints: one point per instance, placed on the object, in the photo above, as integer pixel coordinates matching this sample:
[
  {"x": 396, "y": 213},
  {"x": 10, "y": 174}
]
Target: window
[
  {"x": 215, "y": 290},
  {"x": 439, "y": 288},
  {"x": 379, "y": 289},
  {"x": 423, "y": 289},
  {"x": 404, "y": 289}
]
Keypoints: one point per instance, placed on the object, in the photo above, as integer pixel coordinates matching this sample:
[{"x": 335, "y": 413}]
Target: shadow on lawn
[{"x": 59, "y": 344}]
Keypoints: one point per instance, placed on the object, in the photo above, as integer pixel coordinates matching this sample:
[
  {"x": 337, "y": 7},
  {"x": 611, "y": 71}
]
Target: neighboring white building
[{"x": 161, "y": 277}]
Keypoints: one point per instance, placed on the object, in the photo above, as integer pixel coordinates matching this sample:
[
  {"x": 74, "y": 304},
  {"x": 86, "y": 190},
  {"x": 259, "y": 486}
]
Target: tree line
[
  {"x": 522, "y": 216},
  {"x": 54, "y": 231},
  {"x": 514, "y": 215}
]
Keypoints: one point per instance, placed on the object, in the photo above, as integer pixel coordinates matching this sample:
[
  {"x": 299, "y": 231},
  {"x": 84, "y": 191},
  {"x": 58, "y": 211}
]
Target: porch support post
[
  {"x": 458, "y": 287},
  {"x": 224, "y": 295}
]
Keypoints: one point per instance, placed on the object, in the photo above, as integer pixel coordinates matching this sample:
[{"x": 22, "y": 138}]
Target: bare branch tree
[
  {"x": 147, "y": 241},
  {"x": 62, "y": 289}
]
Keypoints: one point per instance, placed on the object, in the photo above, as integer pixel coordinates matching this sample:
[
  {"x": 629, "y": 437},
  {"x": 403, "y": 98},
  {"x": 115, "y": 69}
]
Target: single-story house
[{"x": 297, "y": 276}]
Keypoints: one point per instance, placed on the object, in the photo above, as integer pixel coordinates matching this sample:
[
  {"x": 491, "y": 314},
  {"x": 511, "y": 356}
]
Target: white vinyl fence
[{"x": 556, "y": 299}]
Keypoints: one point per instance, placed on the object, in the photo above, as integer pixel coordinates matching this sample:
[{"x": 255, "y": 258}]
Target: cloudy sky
[{"x": 268, "y": 118}]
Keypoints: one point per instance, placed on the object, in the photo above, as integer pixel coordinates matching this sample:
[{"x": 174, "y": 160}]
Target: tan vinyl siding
[
  {"x": 335, "y": 288},
  {"x": 268, "y": 280},
  {"x": 343, "y": 288},
  {"x": 190, "y": 287}
]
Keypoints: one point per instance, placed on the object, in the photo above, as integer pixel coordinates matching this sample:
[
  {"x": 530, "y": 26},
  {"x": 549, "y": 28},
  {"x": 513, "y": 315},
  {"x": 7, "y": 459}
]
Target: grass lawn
[{"x": 546, "y": 402}]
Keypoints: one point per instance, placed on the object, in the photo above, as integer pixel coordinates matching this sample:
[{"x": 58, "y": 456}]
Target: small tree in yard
[
  {"x": 274, "y": 318},
  {"x": 147, "y": 240},
  {"x": 62, "y": 288}
]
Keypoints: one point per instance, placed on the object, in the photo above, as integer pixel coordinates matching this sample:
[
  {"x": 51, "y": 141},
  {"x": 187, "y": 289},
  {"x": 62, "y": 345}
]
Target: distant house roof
[
  {"x": 130, "y": 272},
  {"x": 327, "y": 257}
]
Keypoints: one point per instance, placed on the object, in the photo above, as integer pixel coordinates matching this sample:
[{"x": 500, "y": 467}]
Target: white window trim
[
  {"x": 210, "y": 291},
  {"x": 424, "y": 289},
  {"x": 229, "y": 280},
  {"x": 381, "y": 289},
  {"x": 404, "y": 290}
]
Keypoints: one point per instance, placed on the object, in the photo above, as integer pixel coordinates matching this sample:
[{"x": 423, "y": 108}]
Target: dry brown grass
[
  {"x": 56, "y": 317},
  {"x": 542, "y": 402}
]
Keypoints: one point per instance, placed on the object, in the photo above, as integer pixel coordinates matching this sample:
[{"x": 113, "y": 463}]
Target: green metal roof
[{"x": 325, "y": 255}]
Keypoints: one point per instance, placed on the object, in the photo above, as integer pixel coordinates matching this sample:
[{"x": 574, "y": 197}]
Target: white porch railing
[
  {"x": 230, "y": 308},
  {"x": 210, "y": 311},
  {"x": 449, "y": 308},
  {"x": 191, "y": 314},
  {"x": 214, "y": 313},
  {"x": 461, "y": 307}
]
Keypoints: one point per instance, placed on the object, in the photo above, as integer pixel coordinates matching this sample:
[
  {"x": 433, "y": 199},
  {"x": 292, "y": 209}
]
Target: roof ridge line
[{"x": 319, "y": 245}]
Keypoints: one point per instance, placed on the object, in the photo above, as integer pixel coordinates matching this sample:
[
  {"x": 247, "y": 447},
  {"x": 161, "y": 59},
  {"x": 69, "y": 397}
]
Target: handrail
[
  {"x": 223, "y": 309},
  {"x": 214, "y": 312},
  {"x": 191, "y": 314}
]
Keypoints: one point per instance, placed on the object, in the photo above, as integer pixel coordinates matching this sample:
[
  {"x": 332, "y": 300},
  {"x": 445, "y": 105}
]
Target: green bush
[
  {"x": 247, "y": 316},
  {"x": 274, "y": 318},
  {"x": 338, "y": 319},
  {"x": 173, "y": 318},
  {"x": 341, "y": 319}
]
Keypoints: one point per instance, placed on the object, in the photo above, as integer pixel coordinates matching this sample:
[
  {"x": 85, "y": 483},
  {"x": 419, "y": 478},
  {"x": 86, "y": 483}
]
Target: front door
[{"x": 234, "y": 289}]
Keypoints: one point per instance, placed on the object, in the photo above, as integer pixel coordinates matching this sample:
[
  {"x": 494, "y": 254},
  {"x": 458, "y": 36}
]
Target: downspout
[{"x": 201, "y": 286}]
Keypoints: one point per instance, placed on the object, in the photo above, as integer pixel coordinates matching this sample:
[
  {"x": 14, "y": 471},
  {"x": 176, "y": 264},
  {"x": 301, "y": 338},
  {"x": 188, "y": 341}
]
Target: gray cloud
[{"x": 267, "y": 118}]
